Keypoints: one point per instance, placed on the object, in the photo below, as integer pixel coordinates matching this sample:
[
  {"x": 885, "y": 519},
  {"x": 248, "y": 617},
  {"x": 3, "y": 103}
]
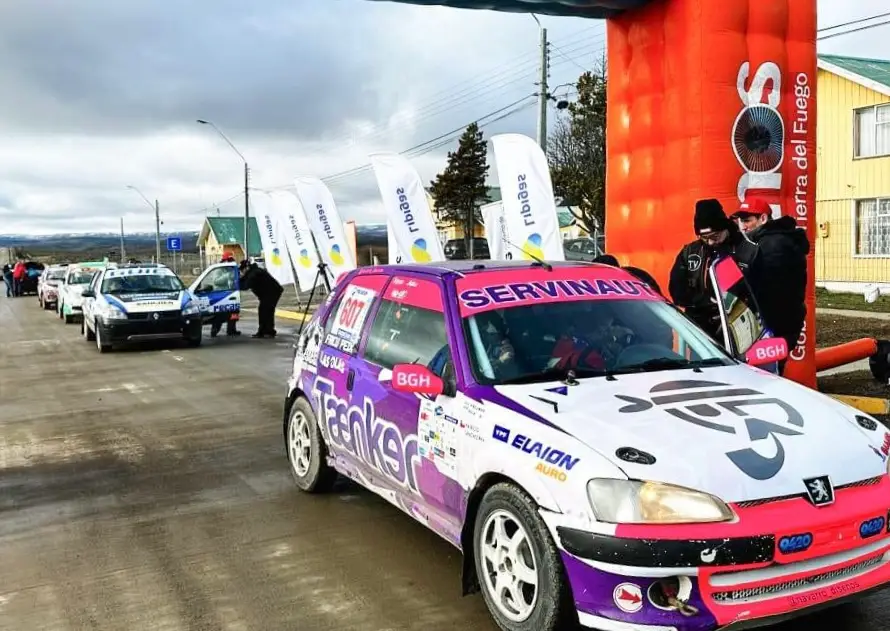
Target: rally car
[
  {"x": 69, "y": 303},
  {"x": 139, "y": 302},
  {"x": 597, "y": 457},
  {"x": 48, "y": 285}
]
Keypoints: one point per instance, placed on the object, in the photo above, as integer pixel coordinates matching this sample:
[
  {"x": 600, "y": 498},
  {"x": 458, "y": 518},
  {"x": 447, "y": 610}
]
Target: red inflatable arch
[{"x": 706, "y": 99}]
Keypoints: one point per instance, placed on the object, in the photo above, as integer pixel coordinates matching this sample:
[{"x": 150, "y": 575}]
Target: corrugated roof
[
  {"x": 231, "y": 230},
  {"x": 876, "y": 70}
]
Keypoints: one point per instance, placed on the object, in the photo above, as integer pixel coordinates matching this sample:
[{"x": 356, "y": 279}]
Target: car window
[
  {"x": 343, "y": 329},
  {"x": 406, "y": 334},
  {"x": 136, "y": 283},
  {"x": 220, "y": 279},
  {"x": 574, "y": 246}
]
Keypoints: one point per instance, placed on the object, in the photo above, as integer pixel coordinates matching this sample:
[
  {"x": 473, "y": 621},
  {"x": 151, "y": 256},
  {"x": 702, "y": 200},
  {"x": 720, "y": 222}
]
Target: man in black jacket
[
  {"x": 267, "y": 290},
  {"x": 690, "y": 285},
  {"x": 781, "y": 284}
]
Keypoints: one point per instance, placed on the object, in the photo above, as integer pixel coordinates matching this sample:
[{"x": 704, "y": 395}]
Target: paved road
[{"x": 148, "y": 489}]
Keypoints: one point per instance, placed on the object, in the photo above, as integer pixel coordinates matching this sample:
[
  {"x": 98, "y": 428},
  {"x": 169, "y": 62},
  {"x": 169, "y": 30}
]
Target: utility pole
[
  {"x": 157, "y": 232},
  {"x": 543, "y": 93},
  {"x": 123, "y": 248},
  {"x": 246, "y": 211}
]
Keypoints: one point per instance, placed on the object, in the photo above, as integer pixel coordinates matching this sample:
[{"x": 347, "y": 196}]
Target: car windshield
[
  {"x": 81, "y": 276},
  {"x": 590, "y": 338},
  {"x": 55, "y": 274},
  {"x": 141, "y": 284}
]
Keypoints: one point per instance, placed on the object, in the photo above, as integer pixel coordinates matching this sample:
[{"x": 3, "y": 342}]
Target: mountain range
[{"x": 366, "y": 235}]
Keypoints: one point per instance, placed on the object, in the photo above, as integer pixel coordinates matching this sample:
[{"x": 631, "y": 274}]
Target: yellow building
[{"x": 853, "y": 180}]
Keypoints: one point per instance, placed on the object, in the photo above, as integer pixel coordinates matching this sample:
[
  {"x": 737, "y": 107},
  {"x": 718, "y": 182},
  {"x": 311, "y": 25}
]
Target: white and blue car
[{"x": 139, "y": 302}]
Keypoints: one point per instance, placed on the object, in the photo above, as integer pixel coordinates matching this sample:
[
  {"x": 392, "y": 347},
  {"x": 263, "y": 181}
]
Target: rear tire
[
  {"x": 518, "y": 565},
  {"x": 306, "y": 450}
]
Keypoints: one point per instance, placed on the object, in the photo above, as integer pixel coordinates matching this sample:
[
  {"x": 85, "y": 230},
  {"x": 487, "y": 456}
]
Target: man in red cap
[{"x": 781, "y": 283}]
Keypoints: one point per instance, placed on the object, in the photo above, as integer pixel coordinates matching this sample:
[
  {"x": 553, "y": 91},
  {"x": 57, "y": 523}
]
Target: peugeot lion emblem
[
  {"x": 820, "y": 491},
  {"x": 155, "y": 316}
]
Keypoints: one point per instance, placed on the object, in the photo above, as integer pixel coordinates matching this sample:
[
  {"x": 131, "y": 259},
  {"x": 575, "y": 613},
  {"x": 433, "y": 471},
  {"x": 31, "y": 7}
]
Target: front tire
[
  {"x": 306, "y": 450},
  {"x": 194, "y": 342},
  {"x": 518, "y": 565},
  {"x": 100, "y": 343},
  {"x": 87, "y": 333}
]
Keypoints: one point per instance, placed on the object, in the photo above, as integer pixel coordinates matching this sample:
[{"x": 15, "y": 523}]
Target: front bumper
[
  {"x": 143, "y": 327},
  {"x": 737, "y": 576}
]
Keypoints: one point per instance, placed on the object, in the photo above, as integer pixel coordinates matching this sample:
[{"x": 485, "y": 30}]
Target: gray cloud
[{"x": 123, "y": 68}]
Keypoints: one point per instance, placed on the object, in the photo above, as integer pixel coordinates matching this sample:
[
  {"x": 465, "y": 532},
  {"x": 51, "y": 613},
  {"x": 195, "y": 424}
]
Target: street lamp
[
  {"x": 246, "y": 186},
  {"x": 157, "y": 222}
]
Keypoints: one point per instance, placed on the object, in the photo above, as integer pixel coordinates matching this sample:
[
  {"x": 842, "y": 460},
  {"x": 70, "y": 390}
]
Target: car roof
[{"x": 464, "y": 267}]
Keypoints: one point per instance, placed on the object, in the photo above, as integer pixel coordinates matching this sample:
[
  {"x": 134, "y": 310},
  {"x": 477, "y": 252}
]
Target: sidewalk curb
[
  {"x": 287, "y": 314},
  {"x": 851, "y": 313}
]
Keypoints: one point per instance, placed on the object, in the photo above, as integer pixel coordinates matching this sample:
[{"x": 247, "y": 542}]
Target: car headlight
[
  {"x": 191, "y": 309},
  {"x": 113, "y": 313},
  {"x": 637, "y": 502}
]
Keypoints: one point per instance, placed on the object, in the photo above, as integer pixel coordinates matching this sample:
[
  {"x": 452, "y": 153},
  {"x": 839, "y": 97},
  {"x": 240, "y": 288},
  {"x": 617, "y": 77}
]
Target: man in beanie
[
  {"x": 690, "y": 285},
  {"x": 780, "y": 288},
  {"x": 267, "y": 290}
]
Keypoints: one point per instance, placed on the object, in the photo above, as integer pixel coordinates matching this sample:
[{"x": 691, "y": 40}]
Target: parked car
[
  {"x": 33, "y": 271},
  {"x": 596, "y": 456},
  {"x": 77, "y": 277},
  {"x": 139, "y": 302},
  {"x": 48, "y": 286},
  {"x": 456, "y": 249},
  {"x": 583, "y": 249}
]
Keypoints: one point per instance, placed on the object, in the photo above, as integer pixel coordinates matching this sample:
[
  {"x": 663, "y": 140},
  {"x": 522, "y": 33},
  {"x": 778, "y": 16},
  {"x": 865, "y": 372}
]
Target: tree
[
  {"x": 577, "y": 152},
  {"x": 460, "y": 189}
]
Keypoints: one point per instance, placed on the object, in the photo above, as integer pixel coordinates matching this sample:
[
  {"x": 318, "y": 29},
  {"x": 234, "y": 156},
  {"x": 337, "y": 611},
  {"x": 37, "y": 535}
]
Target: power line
[
  {"x": 430, "y": 145},
  {"x": 854, "y": 30},
  {"x": 851, "y": 23},
  {"x": 467, "y": 91}
]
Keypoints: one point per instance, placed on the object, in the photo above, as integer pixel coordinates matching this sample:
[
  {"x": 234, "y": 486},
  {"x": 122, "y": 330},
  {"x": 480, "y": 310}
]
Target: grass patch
[{"x": 856, "y": 302}]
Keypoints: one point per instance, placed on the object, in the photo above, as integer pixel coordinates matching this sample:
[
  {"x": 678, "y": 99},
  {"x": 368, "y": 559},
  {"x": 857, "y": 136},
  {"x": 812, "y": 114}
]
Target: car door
[
  {"x": 416, "y": 435},
  {"x": 217, "y": 290},
  {"x": 741, "y": 322},
  {"x": 89, "y": 303}
]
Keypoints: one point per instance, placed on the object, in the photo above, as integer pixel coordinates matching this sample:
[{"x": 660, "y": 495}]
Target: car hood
[
  {"x": 736, "y": 432},
  {"x": 138, "y": 303}
]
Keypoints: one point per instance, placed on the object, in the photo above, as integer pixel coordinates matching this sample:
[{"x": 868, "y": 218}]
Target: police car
[
  {"x": 596, "y": 457},
  {"x": 139, "y": 302}
]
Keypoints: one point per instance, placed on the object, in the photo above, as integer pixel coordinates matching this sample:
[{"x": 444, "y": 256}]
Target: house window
[
  {"x": 872, "y": 131},
  {"x": 873, "y": 227}
]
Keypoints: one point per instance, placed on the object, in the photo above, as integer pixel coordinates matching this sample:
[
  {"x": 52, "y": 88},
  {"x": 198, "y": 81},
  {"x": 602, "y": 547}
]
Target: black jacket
[
  {"x": 781, "y": 283},
  {"x": 690, "y": 285},
  {"x": 260, "y": 282}
]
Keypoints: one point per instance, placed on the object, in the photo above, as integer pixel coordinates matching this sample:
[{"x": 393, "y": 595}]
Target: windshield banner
[
  {"x": 407, "y": 208},
  {"x": 326, "y": 225},
  {"x": 520, "y": 287},
  {"x": 297, "y": 237},
  {"x": 274, "y": 248},
  {"x": 529, "y": 206}
]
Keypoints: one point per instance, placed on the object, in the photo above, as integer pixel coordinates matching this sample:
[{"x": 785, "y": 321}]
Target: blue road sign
[{"x": 174, "y": 244}]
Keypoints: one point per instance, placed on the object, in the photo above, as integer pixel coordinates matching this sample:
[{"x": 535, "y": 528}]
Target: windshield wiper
[
  {"x": 671, "y": 363},
  {"x": 561, "y": 374}
]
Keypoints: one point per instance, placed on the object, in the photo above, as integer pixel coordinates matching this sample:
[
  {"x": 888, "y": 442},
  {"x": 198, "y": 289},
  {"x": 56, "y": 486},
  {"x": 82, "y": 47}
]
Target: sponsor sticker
[
  {"x": 628, "y": 597},
  {"x": 332, "y": 362}
]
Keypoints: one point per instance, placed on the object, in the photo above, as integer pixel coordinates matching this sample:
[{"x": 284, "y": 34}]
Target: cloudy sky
[{"x": 100, "y": 95}]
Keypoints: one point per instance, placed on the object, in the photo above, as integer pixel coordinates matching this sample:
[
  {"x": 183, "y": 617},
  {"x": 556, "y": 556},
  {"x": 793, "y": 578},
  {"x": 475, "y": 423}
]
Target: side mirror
[
  {"x": 88, "y": 293},
  {"x": 767, "y": 351},
  {"x": 416, "y": 379}
]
